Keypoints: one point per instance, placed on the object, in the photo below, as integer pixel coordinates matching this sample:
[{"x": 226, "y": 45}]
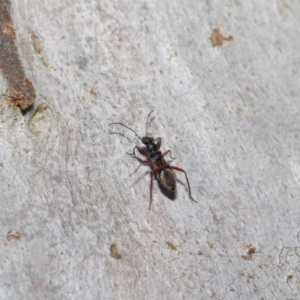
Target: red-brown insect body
[{"x": 156, "y": 161}]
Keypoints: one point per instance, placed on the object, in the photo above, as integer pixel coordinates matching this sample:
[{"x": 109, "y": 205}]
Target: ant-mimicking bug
[{"x": 156, "y": 161}]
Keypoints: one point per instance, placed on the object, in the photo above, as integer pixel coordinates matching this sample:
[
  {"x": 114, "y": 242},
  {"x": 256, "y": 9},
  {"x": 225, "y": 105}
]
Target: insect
[{"x": 155, "y": 159}]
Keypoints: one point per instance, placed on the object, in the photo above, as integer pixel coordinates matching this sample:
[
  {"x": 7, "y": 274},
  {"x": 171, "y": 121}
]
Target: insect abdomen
[{"x": 167, "y": 178}]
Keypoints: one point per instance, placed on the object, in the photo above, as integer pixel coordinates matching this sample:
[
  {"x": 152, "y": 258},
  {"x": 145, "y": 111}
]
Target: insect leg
[
  {"x": 158, "y": 143},
  {"x": 140, "y": 150},
  {"x": 135, "y": 169},
  {"x": 142, "y": 163},
  {"x": 187, "y": 180},
  {"x": 169, "y": 151},
  {"x": 133, "y": 153}
]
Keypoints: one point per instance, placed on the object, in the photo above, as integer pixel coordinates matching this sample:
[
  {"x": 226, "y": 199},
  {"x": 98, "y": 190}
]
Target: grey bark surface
[{"x": 229, "y": 114}]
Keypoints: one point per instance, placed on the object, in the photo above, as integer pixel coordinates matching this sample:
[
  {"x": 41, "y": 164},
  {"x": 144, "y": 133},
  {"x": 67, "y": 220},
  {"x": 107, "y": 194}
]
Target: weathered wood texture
[{"x": 229, "y": 113}]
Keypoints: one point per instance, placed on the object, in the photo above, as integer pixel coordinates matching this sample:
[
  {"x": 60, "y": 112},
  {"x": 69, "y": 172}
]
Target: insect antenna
[
  {"x": 148, "y": 121},
  {"x": 117, "y": 123}
]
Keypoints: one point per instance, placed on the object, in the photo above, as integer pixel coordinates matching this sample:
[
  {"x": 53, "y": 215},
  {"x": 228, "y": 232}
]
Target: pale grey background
[{"x": 229, "y": 114}]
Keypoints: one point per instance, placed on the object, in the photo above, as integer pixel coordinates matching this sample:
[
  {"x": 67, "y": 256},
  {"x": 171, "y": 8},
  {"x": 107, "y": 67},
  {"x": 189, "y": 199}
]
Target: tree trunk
[{"x": 223, "y": 79}]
